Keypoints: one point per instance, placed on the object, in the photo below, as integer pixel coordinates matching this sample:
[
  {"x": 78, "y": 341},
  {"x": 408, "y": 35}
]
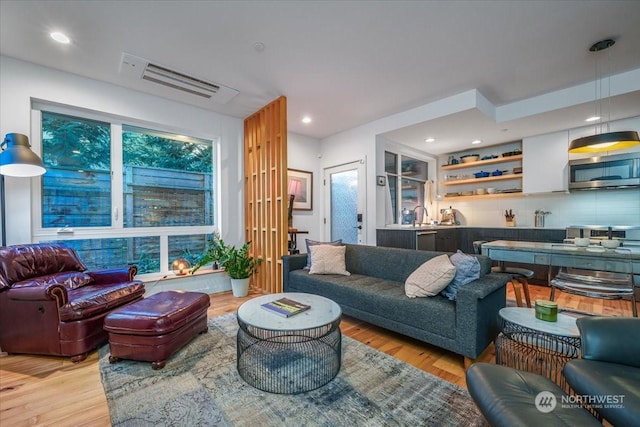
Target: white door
[{"x": 345, "y": 192}]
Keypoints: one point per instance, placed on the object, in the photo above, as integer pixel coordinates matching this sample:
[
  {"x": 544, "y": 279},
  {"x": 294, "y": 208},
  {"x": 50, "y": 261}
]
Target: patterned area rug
[{"x": 200, "y": 386}]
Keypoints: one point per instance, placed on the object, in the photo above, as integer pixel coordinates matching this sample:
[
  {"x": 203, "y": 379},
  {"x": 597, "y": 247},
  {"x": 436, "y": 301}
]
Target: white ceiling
[{"x": 346, "y": 63}]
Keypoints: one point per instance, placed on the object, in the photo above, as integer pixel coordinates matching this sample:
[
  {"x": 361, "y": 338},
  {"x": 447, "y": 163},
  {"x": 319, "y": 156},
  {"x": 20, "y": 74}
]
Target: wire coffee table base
[
  {"x": 289, "y": 362},
  {"x": 533, "y": 351}
]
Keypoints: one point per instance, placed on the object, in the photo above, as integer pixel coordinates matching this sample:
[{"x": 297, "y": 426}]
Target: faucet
[{"x": 415, "y": 211}]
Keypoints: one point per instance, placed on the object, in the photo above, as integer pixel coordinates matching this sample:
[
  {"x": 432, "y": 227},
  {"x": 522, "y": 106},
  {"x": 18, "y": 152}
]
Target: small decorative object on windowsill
[
  {"x": 547, "y": 310},
  {"x": 180, "y": 267},
  {"x": 510, "y": 218}
]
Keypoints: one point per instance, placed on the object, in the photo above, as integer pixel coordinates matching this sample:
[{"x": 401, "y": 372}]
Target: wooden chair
[{"x": 519, "y": 276}]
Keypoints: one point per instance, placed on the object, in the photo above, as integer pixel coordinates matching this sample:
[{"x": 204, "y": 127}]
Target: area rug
[{"x": 200, "y": 386}]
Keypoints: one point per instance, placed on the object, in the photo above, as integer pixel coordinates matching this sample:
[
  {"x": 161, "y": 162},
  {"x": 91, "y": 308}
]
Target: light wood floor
[{"x": 40, "y": 390}]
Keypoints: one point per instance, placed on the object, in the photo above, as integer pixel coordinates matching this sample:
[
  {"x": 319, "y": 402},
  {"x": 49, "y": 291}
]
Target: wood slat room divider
[{"x": 265, "y": 186}]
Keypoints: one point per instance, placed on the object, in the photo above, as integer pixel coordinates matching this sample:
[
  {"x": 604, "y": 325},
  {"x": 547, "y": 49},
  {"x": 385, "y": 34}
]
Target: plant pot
[{"x": 240, "y": 287}]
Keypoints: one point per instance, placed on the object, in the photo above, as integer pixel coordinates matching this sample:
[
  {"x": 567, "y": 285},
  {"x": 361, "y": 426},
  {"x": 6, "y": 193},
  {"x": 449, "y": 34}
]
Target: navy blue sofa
[{"x": 374, "y": 292}]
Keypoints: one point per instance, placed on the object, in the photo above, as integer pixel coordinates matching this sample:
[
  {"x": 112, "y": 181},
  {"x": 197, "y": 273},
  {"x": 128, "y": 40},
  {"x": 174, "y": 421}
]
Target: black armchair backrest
[{"x": 611, "y": 339}]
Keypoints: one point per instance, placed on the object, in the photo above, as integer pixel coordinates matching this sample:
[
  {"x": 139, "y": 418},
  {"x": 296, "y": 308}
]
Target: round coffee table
[
  {"x": 530, "y": 344},
  {"x": 289, "y": 355}
]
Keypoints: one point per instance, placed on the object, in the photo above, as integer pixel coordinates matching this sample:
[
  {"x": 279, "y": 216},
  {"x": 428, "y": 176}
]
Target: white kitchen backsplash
[{"x": 610, "y": 207}]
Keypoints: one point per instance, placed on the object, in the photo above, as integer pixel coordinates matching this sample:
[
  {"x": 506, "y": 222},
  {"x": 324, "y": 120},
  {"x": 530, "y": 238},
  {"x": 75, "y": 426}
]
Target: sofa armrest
[
  {"x": 294, "y": 262},
  {"x": 55, "y": 291},
  {"x": 102, "y": 277},
  {"x": 485, "y": 285},
  {"x": 477, "y": 307},
  {"x": 290, "y": 263},
  {"x": 610, "y": 339}
]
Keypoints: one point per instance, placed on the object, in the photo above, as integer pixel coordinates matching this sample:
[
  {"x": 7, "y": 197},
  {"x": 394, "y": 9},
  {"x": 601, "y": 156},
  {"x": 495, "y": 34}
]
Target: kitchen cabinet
[
  {"x": 424, "y": 240},
  {"x": 545, "y": 162},
  {"x": 447, "y": 240}
]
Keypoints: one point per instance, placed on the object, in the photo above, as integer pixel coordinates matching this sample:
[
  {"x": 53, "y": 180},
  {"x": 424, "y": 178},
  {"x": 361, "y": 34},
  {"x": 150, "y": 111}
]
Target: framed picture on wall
[{"x": 300, "y": 184}]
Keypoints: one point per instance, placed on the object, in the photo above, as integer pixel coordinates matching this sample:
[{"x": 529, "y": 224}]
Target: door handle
[{"x": 358, "y": 227}]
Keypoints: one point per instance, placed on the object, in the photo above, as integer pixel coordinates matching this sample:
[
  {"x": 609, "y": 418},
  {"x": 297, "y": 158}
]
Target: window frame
[
  {"x": 398, "y": 175},
  {"x": 117, "y": 230}
]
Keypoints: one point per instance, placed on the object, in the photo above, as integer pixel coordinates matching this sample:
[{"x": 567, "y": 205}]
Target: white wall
[
  {"x": 22, "y": 82},
  {"x": 360, "y": 143},
  {"x": 303, "y": 153}
]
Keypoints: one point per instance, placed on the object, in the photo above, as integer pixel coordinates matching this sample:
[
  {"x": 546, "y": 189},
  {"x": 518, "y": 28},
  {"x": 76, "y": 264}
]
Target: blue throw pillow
[
  {"x": 467, "y": 270},
  {"x": 314, "y": 242}
]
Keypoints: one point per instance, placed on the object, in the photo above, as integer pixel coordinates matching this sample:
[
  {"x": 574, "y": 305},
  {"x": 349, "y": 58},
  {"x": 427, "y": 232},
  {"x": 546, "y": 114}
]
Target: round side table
[
  {"x": 289, "y": 355},
  {"x": 533, "y": 345}
]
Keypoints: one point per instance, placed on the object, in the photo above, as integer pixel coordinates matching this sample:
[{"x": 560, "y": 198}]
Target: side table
[{"x": 533, "y": 345}]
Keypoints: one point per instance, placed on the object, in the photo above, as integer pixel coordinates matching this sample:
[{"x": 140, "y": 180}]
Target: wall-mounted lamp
[
  {"x": 16, "y": 159},
  {"x": 607, "y": 141}
]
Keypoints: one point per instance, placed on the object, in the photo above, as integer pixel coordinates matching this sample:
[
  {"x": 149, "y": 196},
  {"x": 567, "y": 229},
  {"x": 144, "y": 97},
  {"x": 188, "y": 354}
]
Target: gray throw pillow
[
  {"x": 314, "y": 242},
  {"x": 467, "y": 270}
]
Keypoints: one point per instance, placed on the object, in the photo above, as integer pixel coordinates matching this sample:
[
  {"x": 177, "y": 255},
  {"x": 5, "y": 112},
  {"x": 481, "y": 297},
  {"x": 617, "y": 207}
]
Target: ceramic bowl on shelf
[
  {"x": 610, "y": 244},
  {"x": 582, "y": 242},
  {"x": 481, "y": 191},
  {"x": 470, "y": 158},
  {"x": 491, "y": 190}
]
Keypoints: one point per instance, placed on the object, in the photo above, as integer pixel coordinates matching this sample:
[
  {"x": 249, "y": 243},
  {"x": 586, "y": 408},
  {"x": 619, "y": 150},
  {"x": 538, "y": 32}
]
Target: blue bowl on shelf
[
  {"x": 496, "y": 173},
  {"x": 481, "y": 174}
]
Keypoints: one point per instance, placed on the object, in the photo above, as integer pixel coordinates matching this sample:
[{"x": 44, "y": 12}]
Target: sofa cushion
[
  {"x": 385, "y": 298},
  {"x": 311, "y": 243},
  {"x": 430, "y": 278},
  {"x": 467, "y": 270},
  {"x": 91, "y": 300},
  {"x": 69, "y": 279},
  {"x": 328, "y": 259},
  {"x": 22, "y": 262}
]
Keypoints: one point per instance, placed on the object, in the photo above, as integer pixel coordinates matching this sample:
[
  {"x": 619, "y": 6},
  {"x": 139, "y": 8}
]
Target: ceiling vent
[{"x": 141, "y": 69}]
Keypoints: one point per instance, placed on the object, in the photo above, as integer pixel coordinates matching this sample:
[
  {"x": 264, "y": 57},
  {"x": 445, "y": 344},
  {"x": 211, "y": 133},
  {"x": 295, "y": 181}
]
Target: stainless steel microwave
[{"x": 605, "y": 172}]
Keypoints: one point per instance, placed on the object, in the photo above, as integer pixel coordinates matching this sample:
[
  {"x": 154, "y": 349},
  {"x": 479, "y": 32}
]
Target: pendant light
[{"x": 607, "y": 141}]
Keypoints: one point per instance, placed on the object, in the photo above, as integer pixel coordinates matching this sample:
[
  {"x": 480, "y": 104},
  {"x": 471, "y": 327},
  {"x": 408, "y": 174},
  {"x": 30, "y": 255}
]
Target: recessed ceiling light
[
  {"x": 60, "y": 37},
  {"x": 306, "y": 120},
  {"x": 477, "y": 141},
  {"x": 430, "y": 140},
  {"x": 258, "y": 46},
  {"x": 592, "y": 119}
]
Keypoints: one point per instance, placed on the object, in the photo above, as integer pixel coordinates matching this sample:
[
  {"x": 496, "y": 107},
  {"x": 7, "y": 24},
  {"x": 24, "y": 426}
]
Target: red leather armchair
[{"x": 50, "y": 304}]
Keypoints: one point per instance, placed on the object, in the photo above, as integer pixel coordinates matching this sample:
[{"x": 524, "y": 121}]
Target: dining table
[{"x": 595, "y": 257}]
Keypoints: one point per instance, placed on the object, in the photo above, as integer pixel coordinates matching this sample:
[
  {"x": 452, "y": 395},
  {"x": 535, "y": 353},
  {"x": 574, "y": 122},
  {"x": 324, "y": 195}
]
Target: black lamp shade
[
  {"x": 17, "y": 159},
  {"x": 604, "y": 142}
]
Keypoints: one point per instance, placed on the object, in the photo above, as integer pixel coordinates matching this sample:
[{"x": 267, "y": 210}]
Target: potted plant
[
  {"x": 214, "y": 253},
  {"x": 240, "y": 266}
]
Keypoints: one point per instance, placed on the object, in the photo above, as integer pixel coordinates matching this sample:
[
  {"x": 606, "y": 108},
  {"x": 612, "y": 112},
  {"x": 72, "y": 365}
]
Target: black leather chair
[
  {"x": 609, "y": 368},
  {"x": 508, "y": 397},
  {"x": 606, "y": 378}
]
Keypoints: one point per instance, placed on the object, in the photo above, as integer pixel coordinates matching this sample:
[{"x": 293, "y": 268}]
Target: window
[
  {"x": 407, "y": 178},
  {"x": 122, "y": 194}
]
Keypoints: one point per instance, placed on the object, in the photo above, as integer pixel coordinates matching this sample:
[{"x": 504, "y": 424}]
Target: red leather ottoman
[{"x": 154, "y": 328}]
